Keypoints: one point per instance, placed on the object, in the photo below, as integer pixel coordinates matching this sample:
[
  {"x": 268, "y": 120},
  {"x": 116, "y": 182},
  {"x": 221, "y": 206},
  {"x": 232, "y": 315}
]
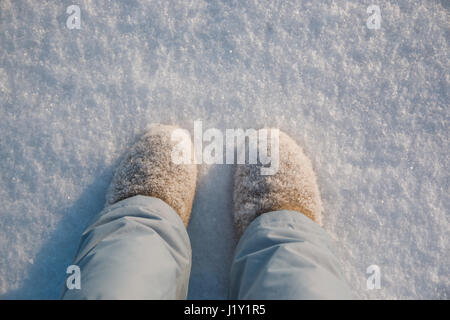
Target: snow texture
[{"x": 370, "y": 107}]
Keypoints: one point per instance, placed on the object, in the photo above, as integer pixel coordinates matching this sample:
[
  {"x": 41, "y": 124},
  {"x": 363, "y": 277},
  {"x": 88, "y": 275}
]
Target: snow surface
[{"x": 370, "y": 108}]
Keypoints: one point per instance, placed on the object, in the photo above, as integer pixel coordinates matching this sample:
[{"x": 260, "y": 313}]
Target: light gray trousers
[{"x": 139, "y": 248}]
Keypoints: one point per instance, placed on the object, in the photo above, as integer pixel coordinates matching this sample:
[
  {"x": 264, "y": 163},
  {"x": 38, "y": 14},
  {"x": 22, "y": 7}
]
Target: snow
[{"x": 370, "y": 108}]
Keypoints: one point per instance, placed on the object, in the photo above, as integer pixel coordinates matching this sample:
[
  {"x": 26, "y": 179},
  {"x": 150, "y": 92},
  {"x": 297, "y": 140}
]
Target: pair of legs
[{"x": 138, "y": 246}]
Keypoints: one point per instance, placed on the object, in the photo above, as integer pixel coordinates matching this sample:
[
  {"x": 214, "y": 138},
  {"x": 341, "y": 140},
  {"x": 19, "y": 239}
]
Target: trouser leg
[
  {"x": 137, "y": 248},
  {"x": 285, "y": 255}
]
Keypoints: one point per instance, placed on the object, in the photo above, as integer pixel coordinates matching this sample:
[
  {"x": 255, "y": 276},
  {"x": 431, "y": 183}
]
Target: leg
[
  {"x": 137, "y": 248},
  {"x": 283, "y": 252},
  {"x": 285, "y": 255}
]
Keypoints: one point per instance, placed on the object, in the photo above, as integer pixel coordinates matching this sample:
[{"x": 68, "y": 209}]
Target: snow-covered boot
[
  {"x": 147, "y": 169},
  {"x": 292, "y": 187}
]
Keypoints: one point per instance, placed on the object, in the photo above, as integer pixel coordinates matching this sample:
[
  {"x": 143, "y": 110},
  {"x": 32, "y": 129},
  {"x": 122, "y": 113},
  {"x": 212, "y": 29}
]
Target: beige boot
[
  {"x": 293, "y": 187},
  {"x": 148, "y": 170}
]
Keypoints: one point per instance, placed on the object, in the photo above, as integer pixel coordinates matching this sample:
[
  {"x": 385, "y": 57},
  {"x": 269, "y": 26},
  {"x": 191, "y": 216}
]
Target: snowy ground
[{"x": 370, "y": 107}]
